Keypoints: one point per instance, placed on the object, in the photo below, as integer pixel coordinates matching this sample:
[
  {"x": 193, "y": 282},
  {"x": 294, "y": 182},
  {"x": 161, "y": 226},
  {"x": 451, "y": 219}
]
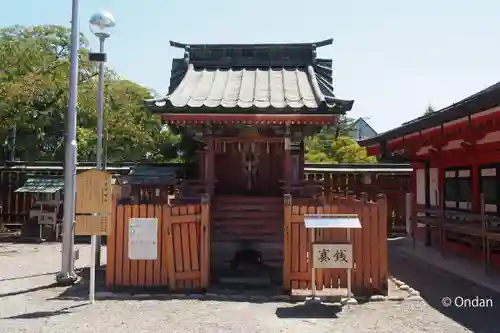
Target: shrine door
[{"x": 248, "y": 168}]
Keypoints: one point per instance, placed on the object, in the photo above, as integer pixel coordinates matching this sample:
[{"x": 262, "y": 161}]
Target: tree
[
  {"x": 334, "y": 144},
  {"x": 429, "y": 110},
  {"x": 34, "y": 84},
  {"x": 343, "y": 150}
]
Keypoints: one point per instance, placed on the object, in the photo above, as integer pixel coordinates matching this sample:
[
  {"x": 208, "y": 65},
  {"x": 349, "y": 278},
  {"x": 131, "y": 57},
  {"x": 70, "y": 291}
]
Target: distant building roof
[
  {"x": 152, "y": 175},
  {"x": 362, "y": 120},
  {"x": 46, "y": 184}
]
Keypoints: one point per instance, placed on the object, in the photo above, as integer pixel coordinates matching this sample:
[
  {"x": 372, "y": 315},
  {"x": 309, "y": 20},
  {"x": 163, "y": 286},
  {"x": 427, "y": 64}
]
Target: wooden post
[
  {"x": 486, "y": 248},
  {"x": 428, "y": 228},
  {"x": 477, "y": 205},
  {"x": 167, "y": 222},
  {"x": 414, "y": 224},
  {"x": 287, "y": 205},
  {"x": 209, "y": 165},
  {"x": 442, "y": 219},
  {"x": 205, "y": 241},
  {"x": 384, "y": 246},
  {"x": 301, "y": 160},
  {"x": 408, "y": 211},
  {"x": 288, "y": 160}
]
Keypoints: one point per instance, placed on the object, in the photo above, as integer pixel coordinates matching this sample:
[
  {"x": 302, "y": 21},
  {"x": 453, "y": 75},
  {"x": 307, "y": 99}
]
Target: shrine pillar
[
  {"x": 288, "y": 160},
  {"x": 476, "y": 195},
  {"x": 209, "y": 165}
]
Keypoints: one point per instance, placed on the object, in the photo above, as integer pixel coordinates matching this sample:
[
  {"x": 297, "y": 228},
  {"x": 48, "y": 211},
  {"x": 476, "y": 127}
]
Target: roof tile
[{"x": 245, "y": 88}]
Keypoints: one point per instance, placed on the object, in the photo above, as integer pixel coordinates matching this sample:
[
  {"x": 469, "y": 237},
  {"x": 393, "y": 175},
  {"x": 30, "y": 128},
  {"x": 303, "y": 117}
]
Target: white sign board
[
  {"x": 143, "y": 238},
  {"x": 332, "y": 256}
]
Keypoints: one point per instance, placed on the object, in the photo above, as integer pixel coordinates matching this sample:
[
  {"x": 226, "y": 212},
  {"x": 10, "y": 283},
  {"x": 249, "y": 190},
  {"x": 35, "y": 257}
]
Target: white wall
[
  {"x": 434, "y": 186},
  {"x": 420, "y": 174}
]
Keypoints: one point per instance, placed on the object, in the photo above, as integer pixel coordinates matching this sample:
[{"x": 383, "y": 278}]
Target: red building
[{"x": 455, "y": 153}]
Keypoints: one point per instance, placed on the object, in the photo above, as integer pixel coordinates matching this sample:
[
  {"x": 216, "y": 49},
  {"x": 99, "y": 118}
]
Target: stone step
[
  {"x": 263, "y": 238},
  {"x": 246, "y": 199},
  {"x": 250, "y": 281},
  {"x": 260, "y": 207},
  {"x": 247, "y": 215}
]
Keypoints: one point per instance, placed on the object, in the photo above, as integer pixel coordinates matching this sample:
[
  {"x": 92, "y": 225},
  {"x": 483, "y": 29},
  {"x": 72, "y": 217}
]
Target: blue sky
[{"x": 392, "y": 57}]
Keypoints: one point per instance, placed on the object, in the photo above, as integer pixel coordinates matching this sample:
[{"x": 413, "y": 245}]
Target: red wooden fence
[
  {"x": 183, "y": 248},
  {"x": 370, "y": 248}
]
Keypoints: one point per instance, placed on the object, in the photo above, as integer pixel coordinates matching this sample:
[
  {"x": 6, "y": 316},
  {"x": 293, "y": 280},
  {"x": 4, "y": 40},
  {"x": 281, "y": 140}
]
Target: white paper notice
[{"x": 143, "y": 238}]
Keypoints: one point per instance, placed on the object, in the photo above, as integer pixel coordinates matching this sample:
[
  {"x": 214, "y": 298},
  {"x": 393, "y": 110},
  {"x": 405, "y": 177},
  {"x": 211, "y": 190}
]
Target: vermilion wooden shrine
[
  {"x": 249, "y": 106},
  {"x": 455, "y": 153}
]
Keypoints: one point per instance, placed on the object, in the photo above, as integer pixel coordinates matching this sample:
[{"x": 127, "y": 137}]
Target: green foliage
[
  {"x": 429, "y": 110},
  {"x": 34, "y": 85},
  {"x": 343, "y": 150},
  {"x": 335, "y": 145}
]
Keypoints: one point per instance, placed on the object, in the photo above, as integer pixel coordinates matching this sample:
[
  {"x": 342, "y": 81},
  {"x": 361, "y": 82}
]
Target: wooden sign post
[
  {"x": 93, "y": 212},
  {"x": 331, "y": 255}
]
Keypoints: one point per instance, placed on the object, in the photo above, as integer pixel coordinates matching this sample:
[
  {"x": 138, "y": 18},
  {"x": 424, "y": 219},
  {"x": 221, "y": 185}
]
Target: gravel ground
[{"x": 28, "y": 303}]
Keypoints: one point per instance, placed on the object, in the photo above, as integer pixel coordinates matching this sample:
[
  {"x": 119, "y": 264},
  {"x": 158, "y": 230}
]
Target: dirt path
[{"x": 29, "y": 303}]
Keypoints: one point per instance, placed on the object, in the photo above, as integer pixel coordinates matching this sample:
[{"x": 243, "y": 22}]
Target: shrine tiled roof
[{"x": 263, "y": 78}]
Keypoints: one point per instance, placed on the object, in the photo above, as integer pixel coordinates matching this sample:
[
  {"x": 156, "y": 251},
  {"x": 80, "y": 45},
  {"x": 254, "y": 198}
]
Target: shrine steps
[{"x": 247, "y": 221}]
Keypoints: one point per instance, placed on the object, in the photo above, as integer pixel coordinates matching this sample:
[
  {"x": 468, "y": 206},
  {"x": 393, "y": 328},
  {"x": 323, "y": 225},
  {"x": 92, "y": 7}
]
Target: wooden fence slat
[
  {"x": 186, "y": 258},
  {"x": 366, "y": 230},
  {"x": 168, "y": 264},
  {"x": 357, "y": 274},
  {"x": 303, "y": 248},
  {"x": 287, "y": 254},
  {"x": 119, "y": 239},
  {"x": 111, "y": 248},
  {"x": 156, "y": 279},
  {"x": 126, "y": 280},
  {"x": 384, "y": 246},
  {"x": 204, "y": 232},
  {"x": 194, "y": 245},
  {"x": 186, "y": 218},
  {"x": 341, "y": 236},
  {"x": 375, "y": 245},
  {"x": 177, "y": 250},
  {"x": 141, "y": 264},
  {"x": 318, "y": 237}
]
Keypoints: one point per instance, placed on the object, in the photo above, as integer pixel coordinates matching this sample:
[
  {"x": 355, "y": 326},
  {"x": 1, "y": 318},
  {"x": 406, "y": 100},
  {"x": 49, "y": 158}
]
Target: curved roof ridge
[{"x": 321, "y": 43}]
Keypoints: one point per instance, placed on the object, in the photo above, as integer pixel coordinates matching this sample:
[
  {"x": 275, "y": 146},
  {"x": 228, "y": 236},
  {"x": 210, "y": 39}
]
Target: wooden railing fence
[
  {"x": 370, "y": 248},
  {"x": 370, "y": 183},
  {"x": 183, "y": 248}
]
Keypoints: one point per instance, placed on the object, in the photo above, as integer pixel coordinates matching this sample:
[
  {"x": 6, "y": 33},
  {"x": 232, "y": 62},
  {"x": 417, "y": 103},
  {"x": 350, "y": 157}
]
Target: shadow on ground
[
  {"x": 27, "y": 276},
  {"x": 30, "y": 290},
  {"x": 45, "y": 314},
  {"x": 227, "y": 293},
  {"x": 309, "y": 311},
  {"x": 436, "y": 285}
]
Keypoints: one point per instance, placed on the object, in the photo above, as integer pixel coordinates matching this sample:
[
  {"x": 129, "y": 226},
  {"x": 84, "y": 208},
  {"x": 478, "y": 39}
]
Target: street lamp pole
[
  {"x": 67, "y": 274},
  {"x": 100, "y": 25},
  {"x": 100, "y": 126}
]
